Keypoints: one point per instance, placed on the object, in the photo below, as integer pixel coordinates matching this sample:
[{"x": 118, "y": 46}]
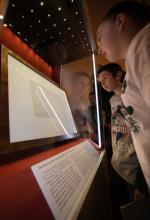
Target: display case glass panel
[
  {"x": 37, "y": 108},
  {"x": 34, "y": 110}
]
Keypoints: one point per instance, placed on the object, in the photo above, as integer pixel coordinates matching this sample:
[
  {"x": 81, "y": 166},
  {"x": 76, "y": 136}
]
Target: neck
[
  {"x": 128, "y": 37},
  {"x": 117, "y": 89}
]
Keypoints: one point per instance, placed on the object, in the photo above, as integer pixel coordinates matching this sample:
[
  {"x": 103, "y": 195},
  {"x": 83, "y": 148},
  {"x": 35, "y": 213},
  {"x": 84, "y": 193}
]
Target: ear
[
  {"x": 121, "y": 21},
  {"x": 118, "y": 75}
]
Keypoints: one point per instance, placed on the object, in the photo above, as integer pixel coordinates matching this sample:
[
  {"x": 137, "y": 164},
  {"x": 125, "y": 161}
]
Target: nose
[
  {"x": 103, "y": 84},
  {"x": 99, "y": 50},
  {"x": 98, "y": 46}
]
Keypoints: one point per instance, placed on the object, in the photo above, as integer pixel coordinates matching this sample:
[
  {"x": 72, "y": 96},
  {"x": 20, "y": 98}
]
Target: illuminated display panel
[{"x": 37, "y": 108}]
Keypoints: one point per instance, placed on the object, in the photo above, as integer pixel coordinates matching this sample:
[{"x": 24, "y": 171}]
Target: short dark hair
[
  {"x": 137, "y": 12},
  {"x": 113, "y": 68}
]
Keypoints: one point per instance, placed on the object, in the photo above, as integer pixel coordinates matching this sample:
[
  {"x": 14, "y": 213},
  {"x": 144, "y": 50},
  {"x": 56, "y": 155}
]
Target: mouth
[{"x": 105, "y": 54}]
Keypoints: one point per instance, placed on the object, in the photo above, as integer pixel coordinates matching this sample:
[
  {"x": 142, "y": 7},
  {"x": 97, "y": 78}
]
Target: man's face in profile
[{"x": 82, "y": 85}]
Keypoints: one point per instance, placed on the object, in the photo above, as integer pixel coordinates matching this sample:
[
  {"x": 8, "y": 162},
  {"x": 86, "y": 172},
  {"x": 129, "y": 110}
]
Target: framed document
[{"x": 35, "y": 111}]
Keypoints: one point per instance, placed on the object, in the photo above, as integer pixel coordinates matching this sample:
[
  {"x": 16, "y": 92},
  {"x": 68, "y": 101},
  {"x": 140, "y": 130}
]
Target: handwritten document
[{"x": 66, "y": 178}]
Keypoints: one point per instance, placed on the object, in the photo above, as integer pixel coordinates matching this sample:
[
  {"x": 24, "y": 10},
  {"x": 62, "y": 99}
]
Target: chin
[
  {"x": 112, "y": 58},
  {"x": 108, "y": 90}
]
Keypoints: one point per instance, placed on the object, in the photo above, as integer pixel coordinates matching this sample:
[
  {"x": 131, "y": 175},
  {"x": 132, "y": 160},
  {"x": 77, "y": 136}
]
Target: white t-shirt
[
  {"x": 136, "y": 96},
  {"x": 124, "y": 159}
]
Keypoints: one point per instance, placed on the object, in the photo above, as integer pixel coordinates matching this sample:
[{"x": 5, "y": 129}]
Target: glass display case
[{"x": 59, "y": 33}]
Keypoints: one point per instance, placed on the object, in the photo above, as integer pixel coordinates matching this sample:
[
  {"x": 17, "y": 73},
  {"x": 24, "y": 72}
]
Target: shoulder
[
  {"x": 138, "y": 55},
  {"x": 115, "y": 99},
  {"x": 140, "y": 41}
]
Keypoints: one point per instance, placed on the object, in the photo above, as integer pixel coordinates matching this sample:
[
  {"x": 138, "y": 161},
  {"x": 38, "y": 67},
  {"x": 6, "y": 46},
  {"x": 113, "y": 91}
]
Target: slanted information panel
[{"x": 66, "y": 178}]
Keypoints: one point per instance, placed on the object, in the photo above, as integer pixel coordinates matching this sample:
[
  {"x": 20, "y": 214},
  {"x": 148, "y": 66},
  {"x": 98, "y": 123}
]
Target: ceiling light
[
  {"x": 22, "y": 16},
  {"x": 18, "y": 32},
  {"x": 31, "y": 10},
  {"x": 13, "y": 5},
  {"x": 76, "y": 12},
  {"x": 54, "y": 25},
  {"x": 25, "y": 39},
  {"x": 65, "y": 19},
  {"x": 69, "y": 28},
  {"x": 1, "y": 17},
  {"x": 41, "y": 3},
  {"x": 39, "y": 21},
  {"x": 82, "y": 31},
  {"x": 72, "y": 36},
  {"x": 30, "y": 26},
  {"x": 59, "y": 33},
  {"x": 45, "y": 29},
  {"x": 10, "y": 25},
  {"x": 5, "y": 25},
  {"x": 48, "y": 15},
  {"x": 59, "y": 8}
]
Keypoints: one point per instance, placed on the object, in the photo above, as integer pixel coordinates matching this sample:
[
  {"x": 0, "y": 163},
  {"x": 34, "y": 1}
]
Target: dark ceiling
[{"x": 54, "y": 29}]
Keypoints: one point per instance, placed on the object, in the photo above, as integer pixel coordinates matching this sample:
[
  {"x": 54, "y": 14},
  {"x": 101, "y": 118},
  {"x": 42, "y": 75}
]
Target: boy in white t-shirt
[{"x": 124, "y": 33}]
